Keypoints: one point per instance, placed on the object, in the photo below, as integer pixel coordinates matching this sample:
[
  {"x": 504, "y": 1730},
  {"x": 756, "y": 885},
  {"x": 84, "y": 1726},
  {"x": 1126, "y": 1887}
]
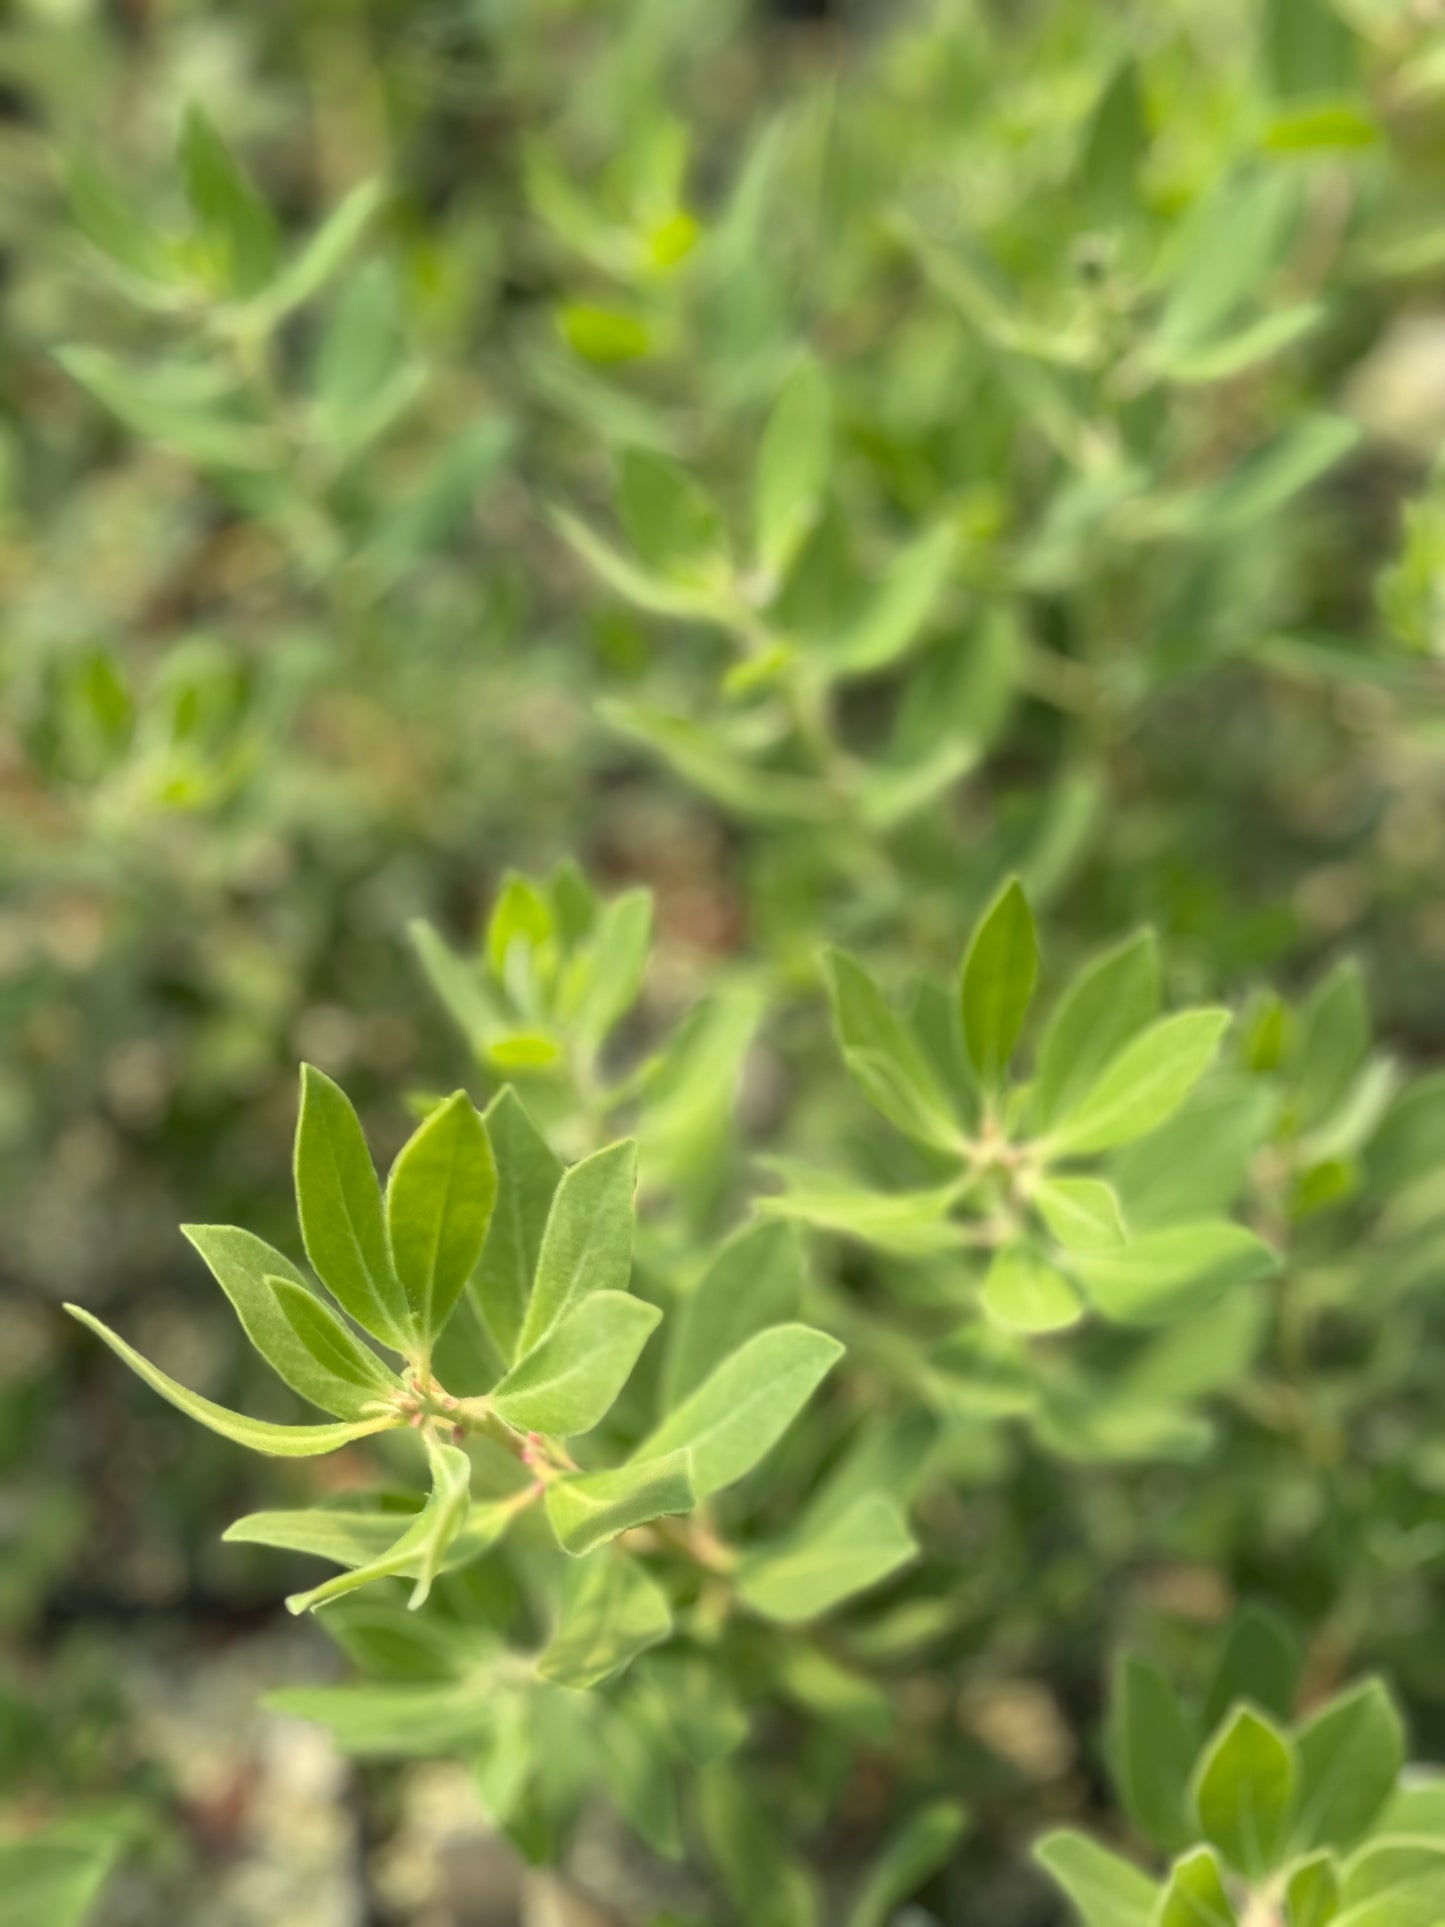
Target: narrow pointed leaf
[
  {"x": 587, "y": 1243},
  {"x": 1106, "y": 1891},
  {"x": 420, "y": 1548},
  {"x": 527, "y": 1177},
  {"x": 259, "y": 1435},
  {"x": 1145, "y": 1084},
  {"x": 884, "y": 1057},
  {"x": 1110, "y": 1000},
  {"x": 339, "y": 1204},
  {"x": 1152, "y": 1748},
  {"x": 439, "y": 1202},
  {"x": 998, "y": 981},
  {"x": 301, "y": 1339},
  {"x": 792, "y": 471}
]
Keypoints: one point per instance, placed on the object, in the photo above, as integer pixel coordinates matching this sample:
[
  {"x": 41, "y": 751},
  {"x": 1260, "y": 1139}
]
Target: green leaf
[
  {"x": 998, "y": 979},
  {"x": 1082, "y": 1213},
  {"x": 1105, "y": 1890},
  {"x": 1394, "y": 1883},
  {"x": 616, "y": 958},
  {"x": 915, "y": 1852},
  {"x": 587, "y": 1243},
  {"x": 1351, "y": 1753},
  {"x": 1244, "y": 1792},
  {"x": 884, "y": 1058},
  {"x": 320, "y": 257},
  {"x": 107, "y": 219},
  {"x": 1229, "y": 247},
  {"x": 439, "y": 1201},
  {"x": 1152, "y": 1750},
  {"x": 527, "y": 1178},
  {"x": 1267, "y": 480},
  {"x": 588, "y": 1508},
  {"x": 1195, "y": 1895},
  {"x": 1260, "y": 1661},
  {"x": 259, "y": 1435},
  {"x": 386, "y": 1721},
  {"x": 339, "y": 1204},
  {"x": 1308, "y": 48},
  {"x": 1144, "y": 1084},
  {"x": 570, "y": 1379},
  {"x": 755, "y": 1280},
  {"x": 521, "y": 917},
  {"x": 1333, "y": 1041},
  {"x": 793, "y": 465},
  {"x": 611, "y": 1612},
  {"x": 1116, "y": 142},
  {"x": 55, "y": 1875},
  {"x": 741, "y": 1411},
  {"x": 670, "y": 519},
  {"x": 1023, "y": 1292},
  {"x": 1106, "y": 1003},
  {"x": 345, "y": 1535},
  {"x": 421, "y": 1547},
  {"x": 228, "y": 208},
  {"x": 656, "y": 594},
  {"x": 721, "y": 771},
  {"x": 301, "y": 1339},
  {"x": 912, "y": 1224},
  {"x": 1312, "y": 1897},
  {"x": 1167, "y": 1274},
  {"x": 818, "y": 1567},
  {"x": 893, "y": 620}
]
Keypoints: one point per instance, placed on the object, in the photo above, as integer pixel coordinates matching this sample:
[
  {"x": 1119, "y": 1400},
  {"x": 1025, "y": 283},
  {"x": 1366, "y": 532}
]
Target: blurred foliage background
[{"x": 323, "y": 606}]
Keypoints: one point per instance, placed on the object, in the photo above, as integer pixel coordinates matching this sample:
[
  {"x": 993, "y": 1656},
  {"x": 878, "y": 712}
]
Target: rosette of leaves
[
  {"x": 1257, "y": 1816},
  {"x": 1022, "y": 1223}
]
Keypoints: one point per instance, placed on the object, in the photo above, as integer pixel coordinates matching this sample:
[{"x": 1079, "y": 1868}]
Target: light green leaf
[
  {"x": 320, "y": 257},
  {"x": 1309, "y": 50},
  {"x": 387, "y": 1721},
  {"x": 259, "y": 1435},
  {"x": 587, "y": 1243},
  {"x": 1025, "y": 1293},
  {"x": 911, "y": 1224},
  {"x": 302, "y": 1341},
  {"x": 999, "y": 972},
  {"x": 1195, "y": 1895},
  {"x": 1244, "y": 1792},
  {"x": 1312, "y": 1897},
  {"x": 1351, "y": 1753},
  {"x": 1260, "y": 1661},
  {"x": 915, "y": 1852},
  {"x": 1143, "y": 1085},
  {"x": 656, "y": 594},
  {"x": 1082, "y": 1213},
  {"x": 1105, "y": 1004},
  {"x": 339, "y": 1204},
  {"x": 228, "y": 208},
  {"x": 54, "y": 1876},
  {"x": 1267, "y": 480},
  {"x": 1167, "y": 1274},
  {"x": 893, "y": 619},
  {"x": 1394, "y": 1883},
  {"x": 670, "y": 519},
  {"x": 1105, "y": 1890},
  {"x": 741, "y": 1411},
  {"x": 721, "y": 771},
  {"x": 884, "y": 1058},
  {"x": 1152, "y": 1750},
  {"x": 570, "y": 1379},
  {"x": 351, "y": 1537},
  {"x": 1116, "y": 141},
  {"x": 807, "y": 1575},
  {"x": 458, "y": 982},
  {"x": 421, "y": 1546},
  {"x": 439, "y": 1201},
  {"x": 755, "y": 1281},
  {"x": 611, "y": 1612},
  {"x": 1228, "y": 249},
  {"x": 527, "y": 1178},
  {"x": 1334, "y": 1039},
  {"x": 793, "y": 465},
  {"x": 1260, "y": 341},
  {"x": 615, "y": 960},
  {"x": 588, "y": 1508}
]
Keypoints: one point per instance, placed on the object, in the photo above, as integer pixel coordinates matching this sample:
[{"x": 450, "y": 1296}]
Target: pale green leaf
[
  {"x": 1106, "y": 1891},
  {"x": 527, "y": 1178},
  {"x": 1143, "y": 1085},
  {"x": 1106, "y": 1003},
  {"x": 998, "y": 978},
  {"x": 1082, "y": 1213},
  {"x": 587, "y": 1243},
  {"x": 611, "y": 1612},
  {"x": 740, "y": 1412},
  {"x": 1244, "y": 1792},
  {"x": 1195, "y": 1895},
  {"x": 1312, "y": 1897},
  {"x": 1170, "y": 1273},
  {"x": 1152, "y": 1750},
  {"x": 1351, "y": 1753},
  {"x": 570, "y": 1379},
  {"x": 588, "y": 1508},
  {"x": 793, "y": 465},
  {"x": 1023, "y": 1292},
  {"x": 259, "y": 1435},
  {"x": 807, "y": 1575},
  {"x": 421, "y": 1546},
  {"x": 884, "y": 1057}
]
